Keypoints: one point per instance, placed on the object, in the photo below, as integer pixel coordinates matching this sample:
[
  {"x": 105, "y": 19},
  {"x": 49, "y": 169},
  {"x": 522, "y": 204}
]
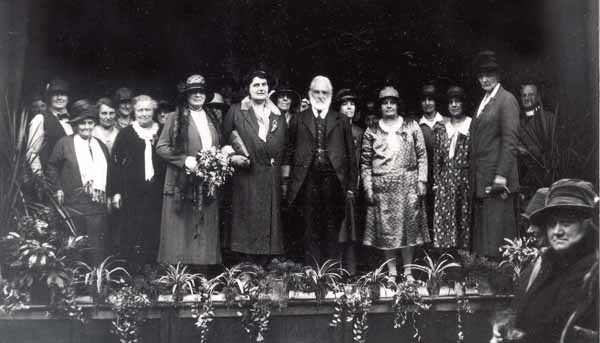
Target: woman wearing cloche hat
[
  {"x": 187, "y": 236},
  {"x": 556, "y": 287},
  {"x": 78, "y": 169},
  {"x": 394, "y": 174}
]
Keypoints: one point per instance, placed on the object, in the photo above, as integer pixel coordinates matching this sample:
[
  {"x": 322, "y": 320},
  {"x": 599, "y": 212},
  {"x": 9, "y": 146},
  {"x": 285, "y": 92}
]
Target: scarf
[
  {"x": 453, "y": 130},
  {"x": 148, "y": 135},
  {"x": 92, "y": 167}
]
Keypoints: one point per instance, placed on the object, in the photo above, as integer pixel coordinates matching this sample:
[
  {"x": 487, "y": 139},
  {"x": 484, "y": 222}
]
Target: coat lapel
[
  {"x": 332, "y": 120},
  {"x": 273, "y": 125},
  {"x": 308, "y": 119}
]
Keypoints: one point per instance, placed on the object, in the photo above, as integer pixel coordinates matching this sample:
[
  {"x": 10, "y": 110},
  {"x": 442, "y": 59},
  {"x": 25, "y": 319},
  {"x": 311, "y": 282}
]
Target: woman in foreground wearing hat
[
  {"x": 79, "y": 170},
  {"x": 256, "y": 228},
  {"x": 452, "y": 206},
  {"x": 188, "y": 235},
  {"x": 554, "y": 287},
  {"x": 394, "y": 175},
  {"x": 138, "y": 182}
]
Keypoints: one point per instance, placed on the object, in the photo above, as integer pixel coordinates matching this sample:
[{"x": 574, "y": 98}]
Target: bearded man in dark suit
[
  {"x": 494, "y": 138},
  {"x": 320, "y": 171}
]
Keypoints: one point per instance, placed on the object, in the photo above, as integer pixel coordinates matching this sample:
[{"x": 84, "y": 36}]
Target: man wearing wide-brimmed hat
[
  {"x": 494, "y": 177},
  {"x": 555, "y": 288},
  {"x": 45, "y": 129}
]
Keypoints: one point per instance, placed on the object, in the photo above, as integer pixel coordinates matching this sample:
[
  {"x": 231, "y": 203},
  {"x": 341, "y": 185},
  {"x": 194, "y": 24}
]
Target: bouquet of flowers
[{"x": 211, "y": 172}]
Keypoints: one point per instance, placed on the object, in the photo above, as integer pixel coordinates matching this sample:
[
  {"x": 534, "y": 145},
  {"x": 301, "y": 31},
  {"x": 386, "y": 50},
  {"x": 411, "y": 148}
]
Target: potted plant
[
  {"x": 279, "y": 278},
  {"x": 179, "y": 281},
  {"x": 518, "y": 254},
  {"x": 322, "y": 278},
  {"x": 477, "y": 273},
  {"x": 374, "y": 280},
  {"x": 435, "y": 271},
  {"x": 235, "y": 282},
  {"x": 39, "y": 255},
  {"x": 100, "y": 279}
]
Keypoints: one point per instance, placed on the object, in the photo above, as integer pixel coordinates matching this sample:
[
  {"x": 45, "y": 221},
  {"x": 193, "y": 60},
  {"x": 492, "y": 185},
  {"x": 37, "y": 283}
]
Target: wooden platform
[{"x": 302, "y": 321}]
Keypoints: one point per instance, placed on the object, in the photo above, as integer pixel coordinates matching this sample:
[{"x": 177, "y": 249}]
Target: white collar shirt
[
  {"x": 487, "y": 98},
  {"x": 431, "y": 122}
]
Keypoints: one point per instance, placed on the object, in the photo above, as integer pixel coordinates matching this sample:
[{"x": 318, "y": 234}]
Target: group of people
[{"x": 313, "y": 182}]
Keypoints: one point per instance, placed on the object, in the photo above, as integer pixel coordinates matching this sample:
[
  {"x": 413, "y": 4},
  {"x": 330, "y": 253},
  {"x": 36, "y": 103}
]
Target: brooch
[{"x": 273, "y": 125}]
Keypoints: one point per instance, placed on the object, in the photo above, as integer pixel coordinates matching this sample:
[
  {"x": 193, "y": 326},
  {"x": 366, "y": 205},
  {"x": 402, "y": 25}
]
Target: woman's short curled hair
[
  {"x": 106, "y": 102},
  {"x": 142, "y": 98},
  {"x": 256, "y": 73}
]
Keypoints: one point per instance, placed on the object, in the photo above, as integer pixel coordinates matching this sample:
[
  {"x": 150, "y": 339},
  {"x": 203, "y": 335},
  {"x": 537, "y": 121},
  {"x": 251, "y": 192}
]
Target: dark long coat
[
  {"x": 494, "y": 138},
  {"x": 300, "y": 150},
  {"x": 256, "y": 226},
  {"x": 493, "y": 149},
  {"x": 142, "y": 200},
  {"x": 186, "y": 235}
]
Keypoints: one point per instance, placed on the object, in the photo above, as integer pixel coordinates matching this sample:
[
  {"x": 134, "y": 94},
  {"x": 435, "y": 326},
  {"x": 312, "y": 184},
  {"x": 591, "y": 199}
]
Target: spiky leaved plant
[
  {"x": 435, "y": 271},
  {"x": 102, "y": 277},
  {"x": 179, "y": 281}
]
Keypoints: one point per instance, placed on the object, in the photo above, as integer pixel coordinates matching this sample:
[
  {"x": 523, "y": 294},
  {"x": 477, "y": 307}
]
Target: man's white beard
[{"x": 318, "y": 106}]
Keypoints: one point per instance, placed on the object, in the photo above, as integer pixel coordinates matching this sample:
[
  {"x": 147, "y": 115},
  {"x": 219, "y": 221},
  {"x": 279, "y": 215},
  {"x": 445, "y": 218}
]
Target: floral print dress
[
  {"x": 452, "y": 208},
  {"x": 392, "y": 164}
]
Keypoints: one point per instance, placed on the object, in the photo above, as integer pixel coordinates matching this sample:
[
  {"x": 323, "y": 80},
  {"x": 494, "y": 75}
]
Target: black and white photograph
[{"x": 318, "y": 171}]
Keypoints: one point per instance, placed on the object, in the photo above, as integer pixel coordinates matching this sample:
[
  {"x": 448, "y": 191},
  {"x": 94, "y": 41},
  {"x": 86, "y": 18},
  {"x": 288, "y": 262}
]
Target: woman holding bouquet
[
  {"x": 138, "y": 183},
  {"x": 256, "y": 221},
  {"x": 190, "y": 219}
]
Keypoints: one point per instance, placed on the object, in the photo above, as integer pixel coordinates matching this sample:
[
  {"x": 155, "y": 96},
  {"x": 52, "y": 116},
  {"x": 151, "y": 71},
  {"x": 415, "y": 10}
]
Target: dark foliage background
[{"x": 153, "y": 45}]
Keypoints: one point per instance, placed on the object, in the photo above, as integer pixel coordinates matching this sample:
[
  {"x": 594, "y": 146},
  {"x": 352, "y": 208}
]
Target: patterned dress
[
  {"x": 392, "y": 163},
  {"x": 452, "y": 209}
]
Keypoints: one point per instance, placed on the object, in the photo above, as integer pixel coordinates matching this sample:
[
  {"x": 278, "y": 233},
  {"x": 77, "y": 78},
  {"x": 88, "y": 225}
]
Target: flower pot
[
  {"x": 40, "y": 294},
  {"x": 375, "y": 292},
  {"x": 484, "y": 286},
  {"x": 279, "y": 293},
  {"x": 459, "y": 289},
  {"x": 321, "y": 293},
  {"x": 433, "y": 287}
]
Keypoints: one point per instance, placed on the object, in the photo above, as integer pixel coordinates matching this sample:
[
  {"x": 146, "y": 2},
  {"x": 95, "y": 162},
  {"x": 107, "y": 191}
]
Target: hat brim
[
  {"x": 209, "y": 94},
  {"x": 293, "y": 95},
  {"x": 544, "y": 211},
  {"x": 82, "y": 117},
  {"x": 347, "y": 98},
  {"x": 489, "y": 67}
]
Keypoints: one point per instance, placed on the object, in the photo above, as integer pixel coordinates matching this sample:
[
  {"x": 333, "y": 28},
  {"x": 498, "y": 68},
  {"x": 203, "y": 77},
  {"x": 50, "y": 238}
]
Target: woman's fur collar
[{"x": 246, "y": 105}]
